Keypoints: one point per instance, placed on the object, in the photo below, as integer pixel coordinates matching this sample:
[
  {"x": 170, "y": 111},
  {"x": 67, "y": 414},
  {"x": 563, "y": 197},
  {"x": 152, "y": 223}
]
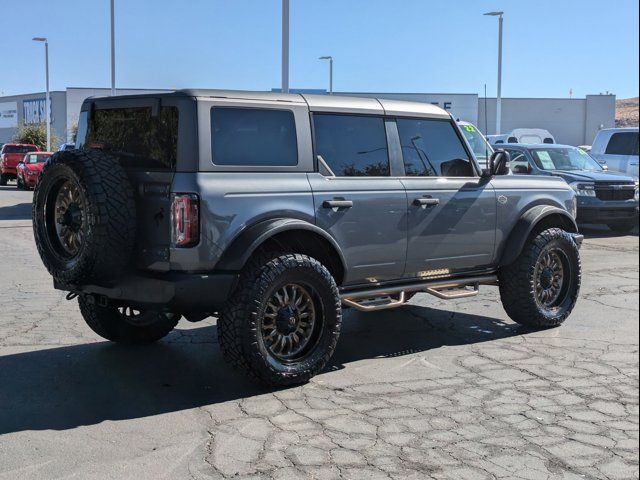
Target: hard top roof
[{"x": 319, "y": 103}]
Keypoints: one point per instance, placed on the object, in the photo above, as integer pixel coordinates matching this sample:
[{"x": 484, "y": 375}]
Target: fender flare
[
  {"x": 526, "y": 224},
  {"x": 246, "y": 243}
]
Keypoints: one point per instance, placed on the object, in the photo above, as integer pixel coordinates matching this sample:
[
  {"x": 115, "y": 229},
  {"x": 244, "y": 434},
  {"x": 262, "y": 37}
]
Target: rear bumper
[{"x": 174, "y": 291}]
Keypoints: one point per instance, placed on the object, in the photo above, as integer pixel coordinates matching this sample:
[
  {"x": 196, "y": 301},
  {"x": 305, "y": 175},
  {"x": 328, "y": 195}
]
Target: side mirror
[{"x": 499, "y": 163}]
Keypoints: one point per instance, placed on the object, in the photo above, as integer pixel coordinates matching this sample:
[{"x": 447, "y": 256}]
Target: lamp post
[
  {"x": 113, "y": 50},
  {"x": 330, "y": 58},
  {"x": 47, "y": 100},
  {"x": 499, "y": 96},
  {"x": 285, "y": 46}
]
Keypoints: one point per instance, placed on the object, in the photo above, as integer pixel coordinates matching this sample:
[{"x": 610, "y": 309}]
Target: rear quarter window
[
  {"x": 623, "y": 143},
  {"x": 253, "y": 137}
]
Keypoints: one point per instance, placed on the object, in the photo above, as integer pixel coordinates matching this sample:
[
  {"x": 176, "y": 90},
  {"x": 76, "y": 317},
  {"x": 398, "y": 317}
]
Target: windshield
[
  {"x": 37, "y": 158},
  {"x": 19, "y": 148},
  {"x": 481, "y": 149},
  {"x": 564, "y": 159}
]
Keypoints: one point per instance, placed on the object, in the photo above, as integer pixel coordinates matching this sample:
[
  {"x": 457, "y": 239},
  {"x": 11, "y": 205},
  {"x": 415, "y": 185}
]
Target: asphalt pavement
[{"x": 432, "y": 390}]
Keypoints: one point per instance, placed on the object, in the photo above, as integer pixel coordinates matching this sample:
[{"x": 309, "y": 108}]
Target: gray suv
[{"x": 274, "y": 212}]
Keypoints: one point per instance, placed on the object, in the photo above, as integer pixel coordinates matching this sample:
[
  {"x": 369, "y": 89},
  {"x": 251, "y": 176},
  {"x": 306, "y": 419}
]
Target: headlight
[{"x": 584, "y": 189}]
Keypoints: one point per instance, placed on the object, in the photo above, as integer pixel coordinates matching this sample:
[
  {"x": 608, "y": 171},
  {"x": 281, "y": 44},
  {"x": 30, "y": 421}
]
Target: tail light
[{"x": 185, "y": 220}]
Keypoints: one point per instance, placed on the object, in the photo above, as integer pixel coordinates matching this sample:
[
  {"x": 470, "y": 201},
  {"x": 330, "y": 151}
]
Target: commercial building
[{"x": 571, "y": 121}]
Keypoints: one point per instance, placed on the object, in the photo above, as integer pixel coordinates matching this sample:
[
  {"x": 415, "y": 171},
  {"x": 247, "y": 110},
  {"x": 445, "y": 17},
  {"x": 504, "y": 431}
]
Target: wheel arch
[
  {"x": 533, "y": 221},
  {"x": 284, "y": 234}
]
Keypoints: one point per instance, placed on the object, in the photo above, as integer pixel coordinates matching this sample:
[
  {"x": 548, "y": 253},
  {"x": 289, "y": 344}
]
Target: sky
[{"x": 434, "y": 46}]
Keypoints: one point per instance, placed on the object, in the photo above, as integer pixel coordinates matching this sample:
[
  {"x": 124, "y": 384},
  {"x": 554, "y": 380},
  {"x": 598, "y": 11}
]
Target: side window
[
  {"x": 432, "y": 148},
  {"x": 253, "y": 137},
  {"x": 352, "y": 145},
  {"x": 623, "y": 143},
  {"x": 519, "y": 163}
]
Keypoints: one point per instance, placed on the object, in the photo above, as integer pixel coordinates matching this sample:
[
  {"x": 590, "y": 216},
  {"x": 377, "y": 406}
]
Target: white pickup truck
[{"x": 617, "y": 148}]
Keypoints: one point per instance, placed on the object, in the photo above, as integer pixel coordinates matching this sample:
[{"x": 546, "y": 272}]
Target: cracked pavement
[{"x": 433, "y": 390}]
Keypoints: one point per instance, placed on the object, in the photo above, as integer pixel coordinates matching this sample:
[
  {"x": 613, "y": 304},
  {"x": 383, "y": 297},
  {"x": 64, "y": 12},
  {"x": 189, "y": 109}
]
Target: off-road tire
[
  {"x": 517, "y": 281},
  {"x": 3, "y": 179},
  {"x": 110, "y": 324},
  {"x": 239, "y": 324},
  {"x": 109, "y": 222},
  {"x": 622, "y": 227}
]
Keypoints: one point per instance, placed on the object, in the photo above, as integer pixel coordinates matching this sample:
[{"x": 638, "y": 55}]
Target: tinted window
[
  {"x": 38, "y": 158},
  {"x": 18, "y": 149},
  {"x": 432, "y": 148},
  {"x": 623, "y": 143},
  {"x": 518, "y": 162},
  {"x": 138, "y": 138},
  {"x": 253, "y": 137},
  {"x": 352, "y": 146}
]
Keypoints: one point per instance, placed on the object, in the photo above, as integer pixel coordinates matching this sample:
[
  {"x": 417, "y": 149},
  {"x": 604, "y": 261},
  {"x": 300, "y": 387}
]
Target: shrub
[{"x": 36, "y": 134}]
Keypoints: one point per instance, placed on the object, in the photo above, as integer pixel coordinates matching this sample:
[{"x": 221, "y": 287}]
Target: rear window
[
  {"x": 38, "y": 158},
  {"x": 138, "y": 138},
  {"x": 253, "y": 137},
  {"x": 18, "y": 149},
  {"x": 623, "y": 143},
  {"x": 351, "y": 145}
]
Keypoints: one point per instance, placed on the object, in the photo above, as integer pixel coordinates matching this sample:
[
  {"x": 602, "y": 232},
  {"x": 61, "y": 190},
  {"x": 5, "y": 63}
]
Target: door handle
[
  {"x": 426, "y": 202},
  {"x": 337, "y": 204}
]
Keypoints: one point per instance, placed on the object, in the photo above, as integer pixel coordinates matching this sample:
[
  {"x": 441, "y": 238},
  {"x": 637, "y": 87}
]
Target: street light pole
[
  {"x": 330, "y": 58},
  {"x": 285, "y": 46},
  {"x": 47, "y": 100},
  {"x": 113, "y": 50},
  {"x": 499, "y": 95}
]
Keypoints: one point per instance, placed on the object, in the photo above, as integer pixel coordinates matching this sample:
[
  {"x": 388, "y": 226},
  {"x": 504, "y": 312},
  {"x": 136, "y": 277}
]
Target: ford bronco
[{"x": 273, "y": 212}]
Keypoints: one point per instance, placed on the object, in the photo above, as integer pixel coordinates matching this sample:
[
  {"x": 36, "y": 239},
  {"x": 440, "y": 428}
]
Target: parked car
[
  {"x": 29, "y": 168},
  {"x": 10, "y": 156},
  {"x": 272, "y": 211},
  {"x": 603, "y": 197},
  {"x": 523, "y": 135},
  {"x": 478, "y": 143},
  {"x": 67, "y": 146},
  {"x": 617, "y": 148}
]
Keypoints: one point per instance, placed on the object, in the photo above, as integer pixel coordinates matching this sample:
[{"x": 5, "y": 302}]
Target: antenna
[{"x": 486, "y": 127}]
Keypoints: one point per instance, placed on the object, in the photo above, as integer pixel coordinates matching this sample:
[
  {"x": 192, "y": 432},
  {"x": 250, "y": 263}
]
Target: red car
[
  {"x": 10, "y": 156},
  {"x": 29, "y": 168}
]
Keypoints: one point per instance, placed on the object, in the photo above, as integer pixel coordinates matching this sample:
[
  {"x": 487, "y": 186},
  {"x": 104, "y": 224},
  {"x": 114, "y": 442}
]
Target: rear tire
[
  {"x": 123, "y": 325},
  {"x": 623, "y": 227},
  {"x": 541, "y": 287},
  {"x": 282, "y": 324},
  {"x": 3, "y": 179}
]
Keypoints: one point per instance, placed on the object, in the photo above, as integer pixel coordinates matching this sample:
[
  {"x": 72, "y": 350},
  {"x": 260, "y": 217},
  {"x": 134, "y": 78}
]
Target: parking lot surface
[{"x": 433, "y": 390}]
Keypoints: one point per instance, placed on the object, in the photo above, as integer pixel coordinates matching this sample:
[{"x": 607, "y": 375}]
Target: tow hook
[{"x": 93, "y": 299}]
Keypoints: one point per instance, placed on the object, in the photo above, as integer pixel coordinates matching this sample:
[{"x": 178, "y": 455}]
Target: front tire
[
  {"x": 541, "y": 287},
  {"x": 127, "y": 325},
  {"x": 283, "y": 322}
]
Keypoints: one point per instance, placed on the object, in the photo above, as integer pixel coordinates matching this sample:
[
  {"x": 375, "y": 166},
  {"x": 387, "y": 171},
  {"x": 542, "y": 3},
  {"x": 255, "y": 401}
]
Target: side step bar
[{"x": 369, "y": 300}]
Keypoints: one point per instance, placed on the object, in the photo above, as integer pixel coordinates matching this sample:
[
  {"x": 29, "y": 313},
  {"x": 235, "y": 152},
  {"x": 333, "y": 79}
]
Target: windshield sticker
[
  {"x": 469, "y": 128},
  {"x": 581, "y": 152},
  {"x": 545, "y": 159}
]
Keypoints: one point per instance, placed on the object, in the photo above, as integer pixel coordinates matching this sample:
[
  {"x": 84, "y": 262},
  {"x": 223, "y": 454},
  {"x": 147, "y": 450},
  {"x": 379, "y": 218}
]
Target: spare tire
[{"x": 84, "y": 219}]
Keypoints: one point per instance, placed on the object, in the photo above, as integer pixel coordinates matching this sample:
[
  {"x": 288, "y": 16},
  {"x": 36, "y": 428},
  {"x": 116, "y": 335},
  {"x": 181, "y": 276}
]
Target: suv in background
[
  {"x": 273, "y": 211},
  {"x": 617, "y": 148},
  {"x": 523, "y": 135},
  {"x": 603, "y": 197},
  {"x": 10, "y": 155}
]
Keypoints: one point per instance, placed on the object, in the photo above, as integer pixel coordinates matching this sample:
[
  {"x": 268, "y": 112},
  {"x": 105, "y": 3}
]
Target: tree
[{"x": 36, "y": 134}]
